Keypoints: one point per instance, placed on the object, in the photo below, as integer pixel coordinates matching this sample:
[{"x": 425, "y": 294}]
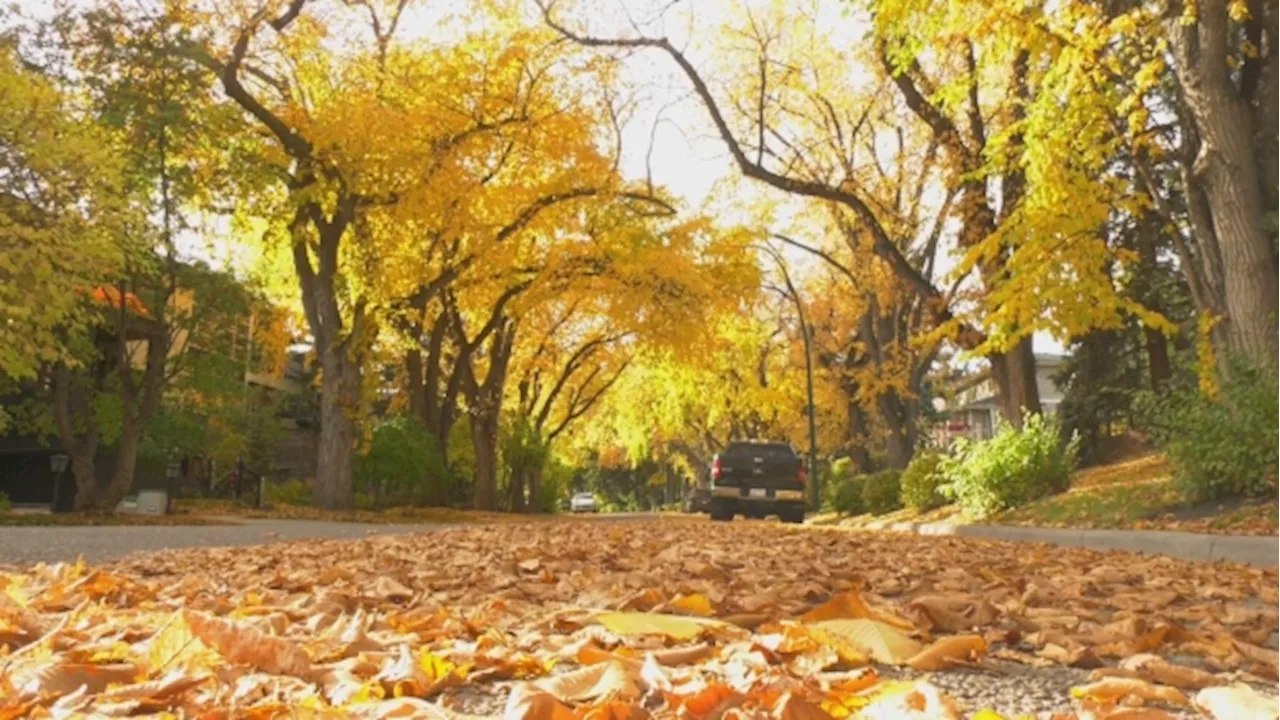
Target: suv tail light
[
  {"x": 802, "y": 474},
  {"x": 715, "y": 468}
]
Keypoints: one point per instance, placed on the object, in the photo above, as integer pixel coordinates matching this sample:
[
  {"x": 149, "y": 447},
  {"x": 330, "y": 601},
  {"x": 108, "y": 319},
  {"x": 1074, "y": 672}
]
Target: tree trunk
[
  {"x": 86, "y": 476},
  {"x": 1157, "y": 347},
  {"x": 126, "y": 464},
  {"x": 899, "y": 441},
  {"x": 859, "y": 455},
  {"x": 535, "y": 490},
  {"x": 1015, "y": 375},
  {"x": 516, "y": 492},
  {"x": 1226, "y": 163},
  {"x": 484, "y": 439},
  {"x": 339, "y": 398}
]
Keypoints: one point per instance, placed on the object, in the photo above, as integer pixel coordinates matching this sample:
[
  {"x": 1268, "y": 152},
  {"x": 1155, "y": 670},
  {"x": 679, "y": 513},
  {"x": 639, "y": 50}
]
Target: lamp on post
[{"x": 58, "y": 464}]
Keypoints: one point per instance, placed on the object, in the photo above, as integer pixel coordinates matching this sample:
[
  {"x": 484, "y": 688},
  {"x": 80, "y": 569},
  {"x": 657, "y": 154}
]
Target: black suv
[{"x": 756, "y": 479}]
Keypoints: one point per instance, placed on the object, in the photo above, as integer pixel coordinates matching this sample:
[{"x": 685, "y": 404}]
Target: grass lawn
[{"x": 1135, "y": 493}]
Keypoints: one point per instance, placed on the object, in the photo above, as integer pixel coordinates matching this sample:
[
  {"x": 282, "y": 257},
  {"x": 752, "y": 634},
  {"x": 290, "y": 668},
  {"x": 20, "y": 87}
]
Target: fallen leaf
[
  {"x": 910, "y": 701},
  {"x": 602, "y": 681},
  {"x": 850, "y": 605},
  {"x": 1119, "y": 688},
  {"x": 882, "y": 642},
  {"x": 1237, "y": 702},
  {"x": 945, "y": 651},
  {"x": 953, "y": 613},
  {"x": 240, "y": 644},
  {"x": 1157, "y": 669},
  {"x": 528, "y": 702},
  {"x": 638, "y": 623},
  {"x": 695, "y": 604}
]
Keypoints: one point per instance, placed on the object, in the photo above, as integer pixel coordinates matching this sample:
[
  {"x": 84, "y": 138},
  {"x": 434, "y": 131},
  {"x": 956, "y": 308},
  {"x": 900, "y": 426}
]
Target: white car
[{"x": 583, "y": 502}]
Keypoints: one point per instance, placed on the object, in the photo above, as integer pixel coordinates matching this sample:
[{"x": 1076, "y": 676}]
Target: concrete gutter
[{"x": 1263, "y": 552}]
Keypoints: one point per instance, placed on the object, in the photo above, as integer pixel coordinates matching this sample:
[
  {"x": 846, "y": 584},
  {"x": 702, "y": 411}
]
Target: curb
[{"x": 1261, "y": 551}]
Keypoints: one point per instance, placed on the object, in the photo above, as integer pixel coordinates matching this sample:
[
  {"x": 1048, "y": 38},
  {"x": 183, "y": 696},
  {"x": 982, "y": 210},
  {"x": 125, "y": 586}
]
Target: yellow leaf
[
  {"x": 850, "y": 605},
  {"x": 696, "y": 604},
  {"x": 883, "y": 642},
  {"x": 638, "y": 623}
]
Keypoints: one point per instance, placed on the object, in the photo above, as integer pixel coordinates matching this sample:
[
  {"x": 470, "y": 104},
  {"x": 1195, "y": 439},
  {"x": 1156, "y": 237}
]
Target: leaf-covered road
[{"x": 667, "y": 618}]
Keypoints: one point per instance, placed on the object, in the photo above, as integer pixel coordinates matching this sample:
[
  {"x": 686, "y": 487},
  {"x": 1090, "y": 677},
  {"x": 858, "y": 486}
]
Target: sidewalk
[{"x": 1252, "y": 550}]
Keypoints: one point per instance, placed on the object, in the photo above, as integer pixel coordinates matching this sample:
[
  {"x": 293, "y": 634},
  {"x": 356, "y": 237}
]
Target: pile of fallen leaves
[{"x": 628, "y": 620}]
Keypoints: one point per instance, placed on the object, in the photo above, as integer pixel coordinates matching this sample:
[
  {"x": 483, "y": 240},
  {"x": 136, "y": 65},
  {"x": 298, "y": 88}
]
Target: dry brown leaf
[
  {"x": 243, "y": 645},
  {"x": 1157, "y": 669},
  {"x": 1117, "y": 689},
  {"x": 944, "y": 652},
  {"x": 952, "y": 613},
  {"x": 55, "y": 679},
  {"x": 528, "y": 702},
  {"x": 602, "y": 681},
  {"x": 1237, "y": 702}
]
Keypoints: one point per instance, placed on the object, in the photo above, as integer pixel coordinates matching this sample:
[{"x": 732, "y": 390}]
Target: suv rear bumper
[{"x": 740, "y": 493}]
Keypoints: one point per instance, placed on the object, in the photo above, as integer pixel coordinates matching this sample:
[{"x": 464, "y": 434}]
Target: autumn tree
[{"x": 61, "y": 197}]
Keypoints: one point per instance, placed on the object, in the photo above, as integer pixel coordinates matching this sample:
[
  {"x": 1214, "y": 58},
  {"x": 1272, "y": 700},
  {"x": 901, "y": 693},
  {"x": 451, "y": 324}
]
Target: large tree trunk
[
  {"x": 339, "y": 401},
  {"x": 1015, "y": 375},
  {"x": 859, "y": 454},
  {"x": 484, "y": 440},
  {"x": 535, "y": 489},
  {"x": 109, "y": 497},
  {"x": 1226, "y": 168},
  {"x": 899, "y": 441}
]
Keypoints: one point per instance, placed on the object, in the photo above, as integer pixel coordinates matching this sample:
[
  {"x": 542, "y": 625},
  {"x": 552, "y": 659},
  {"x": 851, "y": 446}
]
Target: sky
[{"x": 668, "y": 134}]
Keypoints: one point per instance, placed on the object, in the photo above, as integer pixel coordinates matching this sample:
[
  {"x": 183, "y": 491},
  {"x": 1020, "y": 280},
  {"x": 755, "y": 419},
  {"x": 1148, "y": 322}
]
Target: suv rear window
[{"x": 770, "y": 451}]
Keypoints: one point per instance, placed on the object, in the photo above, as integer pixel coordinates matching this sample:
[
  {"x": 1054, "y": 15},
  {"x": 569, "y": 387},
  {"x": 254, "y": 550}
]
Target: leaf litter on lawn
[{"x": 653, "y": 619}]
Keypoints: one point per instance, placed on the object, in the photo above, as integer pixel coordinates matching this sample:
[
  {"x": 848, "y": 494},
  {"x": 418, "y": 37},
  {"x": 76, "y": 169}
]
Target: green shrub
[
  {"x": 1012, "y": 468},
  {"x": 362, "y": 501},
  {"x": 920, "y": 482},
  {"x": 846, "y": 495},
  {"x": 293, "y": 492},
  {"x": 403, "y": 465},
  {"x": 1224, "y": 446},
  {"x": 880, "y": 492},
  {"x": 5, "y": 505}
]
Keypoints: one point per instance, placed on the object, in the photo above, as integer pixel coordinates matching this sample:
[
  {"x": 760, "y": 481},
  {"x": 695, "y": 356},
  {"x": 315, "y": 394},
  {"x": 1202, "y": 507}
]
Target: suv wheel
[{"x": 721, "y": 511}]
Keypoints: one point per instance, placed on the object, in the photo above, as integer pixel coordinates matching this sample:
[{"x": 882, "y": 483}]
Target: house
[{"x": 971, "y": 410}]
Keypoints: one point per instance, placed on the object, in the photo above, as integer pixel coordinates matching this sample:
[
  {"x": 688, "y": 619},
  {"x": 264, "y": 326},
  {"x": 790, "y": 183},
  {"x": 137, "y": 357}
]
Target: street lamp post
[
  {"x": 815, "y": 483},
  {"x": 58, "y": 464}
]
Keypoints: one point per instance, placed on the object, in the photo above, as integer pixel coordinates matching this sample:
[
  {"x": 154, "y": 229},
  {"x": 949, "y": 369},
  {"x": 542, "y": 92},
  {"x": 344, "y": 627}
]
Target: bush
[
  {"x": 846, "y": 498},
  {"x": 920, "y": 482},
  {"x": 293, "y": 492},
  {"x": 5, "y": 505},
  {"x": 403, "y": 465},
  {"x": 1220, "y": 446},
  {"x": 1012, "y": 468},
  {"x": 880, "y": 492}
]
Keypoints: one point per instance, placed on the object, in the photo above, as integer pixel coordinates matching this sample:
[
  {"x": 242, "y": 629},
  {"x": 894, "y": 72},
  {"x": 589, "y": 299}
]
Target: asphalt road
[{"x": 20, "y": 546}]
